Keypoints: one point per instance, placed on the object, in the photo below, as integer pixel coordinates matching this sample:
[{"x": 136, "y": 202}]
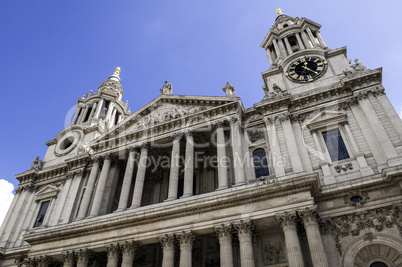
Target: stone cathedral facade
[{"x": 309, "y": 176}]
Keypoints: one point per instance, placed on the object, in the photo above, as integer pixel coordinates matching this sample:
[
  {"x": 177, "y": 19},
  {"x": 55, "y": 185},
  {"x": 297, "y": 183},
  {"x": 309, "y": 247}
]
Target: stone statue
[
  {"x": 277, "y": 89},
  {"x": 166, "y": 89},
  {"x": 37, "y": 164},
  {"x": 358, "y": 66},
  {"x": 84, "y": 148},
  {"x": 229, "y": 89}
]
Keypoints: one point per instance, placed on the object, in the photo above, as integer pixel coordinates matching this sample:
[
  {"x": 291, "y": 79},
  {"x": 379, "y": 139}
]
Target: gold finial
[
  {"x": 117, "y": 72},
  {"x": 278, "y": 11}
]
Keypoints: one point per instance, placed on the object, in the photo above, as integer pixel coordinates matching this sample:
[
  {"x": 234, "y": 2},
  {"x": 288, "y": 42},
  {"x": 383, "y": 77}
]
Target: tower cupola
[{"x": 290, "y": 35}]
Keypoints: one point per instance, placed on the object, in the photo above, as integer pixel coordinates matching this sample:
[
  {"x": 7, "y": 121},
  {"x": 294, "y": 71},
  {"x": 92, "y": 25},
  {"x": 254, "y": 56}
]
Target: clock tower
[{"x": 300, "y": 60}]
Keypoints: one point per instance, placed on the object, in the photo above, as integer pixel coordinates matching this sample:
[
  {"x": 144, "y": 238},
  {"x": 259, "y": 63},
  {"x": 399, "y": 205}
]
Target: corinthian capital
[
  {"x": 244, "y": 227},
  {"x": 167, "y": 241},
  {"x": 68, "y": 257},
  {"x": 309, "y": 216},
  {"x": 185, "y": 238},
  {"x": 224, "y": 230},
  {"x": 287, "y": 219},
  {"x": 82, "y": 256},
  {"x": 113, "y": 251},
  {"x": 129, "y": 247}
]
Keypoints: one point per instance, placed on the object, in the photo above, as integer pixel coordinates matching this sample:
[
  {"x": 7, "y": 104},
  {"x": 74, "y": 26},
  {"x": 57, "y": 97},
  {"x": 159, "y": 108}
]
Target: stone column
[
  {"x": 320, "y": 38},
  {"x": 244, "y": 231},
  {"x": 128, "y": 249},
  {"x": 222, "y": 158},
  {"x": 167, "y": 243},
  {"x": 287, "y": 222},
  {"x": 314, "y": 237},
  {"x": 140, "y": 178},
  {"x": 299, "y": 41},
  {"x": 113, "y": 255},
  {"x": 98, "y": 109},
  {"x": 77, "y": 112},
  {"x": 84, "y": 114},
  {"x": 288, "y": 47},
  {"x": 237, "y": 155},
  {"x": 306, "y": 40},
  {"x": 68, "y": 259},
  {"x": 291, "y": 144},
  {"x": 277, "y": 50},
  {"x": 329, "y": 178},
  {"x": 312, "y": 38},
  {"x": 100, "y": 188},
  {"x": 282, "y": 47},
  {"x": 224, "y": 233},
  {"x": 89, "y": 189},
  {"x": 277, "y": 159},
  {"x": 109, "y": 111},
  {"x": 189, "y": 165},
  {"x": 127, "y": 180},
  {"x": 186, "y": 246},
  {"x": 92, "y": 111},
  {"x": 389, "y": 110},
  {"x": 82, "y": 258},
  {"x": 270, "y": 60},
  {"x": 113, "y": 117},
  {"x": 174, "y": 168}
]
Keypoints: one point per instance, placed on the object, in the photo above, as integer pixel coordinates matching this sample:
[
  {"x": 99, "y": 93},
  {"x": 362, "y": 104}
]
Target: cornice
[{"x": 176, "y": 209}]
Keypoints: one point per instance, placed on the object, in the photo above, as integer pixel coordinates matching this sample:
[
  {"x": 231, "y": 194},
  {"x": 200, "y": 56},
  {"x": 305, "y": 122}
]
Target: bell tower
[{"x": 299, "y": 58}]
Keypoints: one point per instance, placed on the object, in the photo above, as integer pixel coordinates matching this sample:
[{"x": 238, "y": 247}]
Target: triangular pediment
[
  {"x": 326, "y": 118},
  {"x": 47, "y": 192},
  {"x": 168, "y": 108}
]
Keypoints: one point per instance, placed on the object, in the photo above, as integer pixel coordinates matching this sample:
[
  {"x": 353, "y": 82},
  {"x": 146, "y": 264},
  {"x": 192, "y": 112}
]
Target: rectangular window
[
  {"x": 41, "y": 214},
  {"x": 335, "y": 145}
]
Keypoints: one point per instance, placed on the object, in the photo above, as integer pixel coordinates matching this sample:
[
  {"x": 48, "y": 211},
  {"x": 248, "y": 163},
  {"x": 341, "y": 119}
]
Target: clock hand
[{"x": 306, "y": 68}]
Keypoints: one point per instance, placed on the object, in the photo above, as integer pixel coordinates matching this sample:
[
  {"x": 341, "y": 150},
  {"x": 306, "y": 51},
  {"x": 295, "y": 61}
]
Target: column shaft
[
  {"x": 237, "y": 155},
  {"x": 100, "y": 188},
  {"x": 129, "y": 249},
  {"x": 287, "y": 222},
  {"x": 312, "y": 38},
  {"x": 276, "y": 153},
  {"x": 189, "y": 166},
  {"x": 222, "y": 159},
  {"x": 167, "y": 243},
  {"x": 174, "y": 169},
  {"x": 140, "y": 178},
  {"x": 320, "y": 39},
  {"x": 291, "y": 144},
  {"x": 92, "y": 111},
  {"x": 98, "y": 109},
  {"x": 77, "y": 112},
  {"x": 306, "y": 40},
  {"x": 88, "y": 190},
  {"x": 288, "y": 47},
  {"x": 317, "y": 251},
  {"x": 224, "y": 233},
  {"x": 112, "y": 256},
  {"x": 244, "y": 230},
  {"x": 127, "y": 180},
  {"x": 299, "y": 41},
  {"x": 277, "y": 50},
  {"x": 186, "y": 246},
  {"x": 82, "y": 119}
]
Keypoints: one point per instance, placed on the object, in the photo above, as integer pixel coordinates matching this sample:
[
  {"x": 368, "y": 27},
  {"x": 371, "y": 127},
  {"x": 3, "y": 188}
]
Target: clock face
[{"x": 306, "y": 69}]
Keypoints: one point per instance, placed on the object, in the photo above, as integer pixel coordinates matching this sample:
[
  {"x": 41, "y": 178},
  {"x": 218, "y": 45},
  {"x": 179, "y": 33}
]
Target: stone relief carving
[
  {"x": 85, "y": 149},
  {"x": 167, "y": 89},
  {"x": 229, "y": 89},
  {"x": 275, "y": 92},
  {"x": 165, "y": 113},
  {"x": 343, "y": 167},
  {"x": 37, "y": 164},
  {"x": 358, "y": 66},
  {"x": 352, "y": 224},
  {"x": 273, "y": 252},
  {"x": 255, "y": 135}
]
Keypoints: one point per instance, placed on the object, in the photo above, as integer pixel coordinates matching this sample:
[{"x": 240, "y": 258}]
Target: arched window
[
  {"x": 378, "y": 264},
  {"x": 260, "y": 163}
]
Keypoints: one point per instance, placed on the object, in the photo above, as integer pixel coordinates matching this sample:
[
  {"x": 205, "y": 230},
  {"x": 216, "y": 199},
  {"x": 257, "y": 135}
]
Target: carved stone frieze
[
  {"x": 255, "y": 135},
  {"x": 343, "y": 167},
  {"x": 273, "y": 253},
  {"x": 353, "y": 224},
  {"x": 165, "y": 113}
]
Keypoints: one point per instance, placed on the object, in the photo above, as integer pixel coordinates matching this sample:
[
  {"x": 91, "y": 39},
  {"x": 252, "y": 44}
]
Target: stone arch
[{"x": 362, "y": 253}]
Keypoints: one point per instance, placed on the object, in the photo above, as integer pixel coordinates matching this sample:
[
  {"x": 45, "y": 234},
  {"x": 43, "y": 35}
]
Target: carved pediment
[
  {"x": 326, "y": 118},
  {"x": 163, "y": 113},
  {"x": 48, "y": 191}
]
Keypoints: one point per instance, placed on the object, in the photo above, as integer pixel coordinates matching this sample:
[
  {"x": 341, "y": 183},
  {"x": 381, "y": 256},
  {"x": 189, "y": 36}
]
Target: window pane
[
  {"x": 260, "y": 163},
  {"x": 336, "y": 147},
  {"x": 41, "y": 214}
]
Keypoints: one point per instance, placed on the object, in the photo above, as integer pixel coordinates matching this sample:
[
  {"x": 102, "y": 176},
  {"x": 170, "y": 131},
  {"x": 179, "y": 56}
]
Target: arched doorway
[{"x": 378, "y": 255}]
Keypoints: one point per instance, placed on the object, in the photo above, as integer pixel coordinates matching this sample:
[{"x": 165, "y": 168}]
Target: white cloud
[{"x": 6, "y": 196}]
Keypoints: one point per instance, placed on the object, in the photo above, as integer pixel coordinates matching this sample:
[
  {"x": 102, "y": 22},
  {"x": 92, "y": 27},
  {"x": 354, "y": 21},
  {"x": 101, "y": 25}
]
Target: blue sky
[{"x": 53, "y": 52}]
